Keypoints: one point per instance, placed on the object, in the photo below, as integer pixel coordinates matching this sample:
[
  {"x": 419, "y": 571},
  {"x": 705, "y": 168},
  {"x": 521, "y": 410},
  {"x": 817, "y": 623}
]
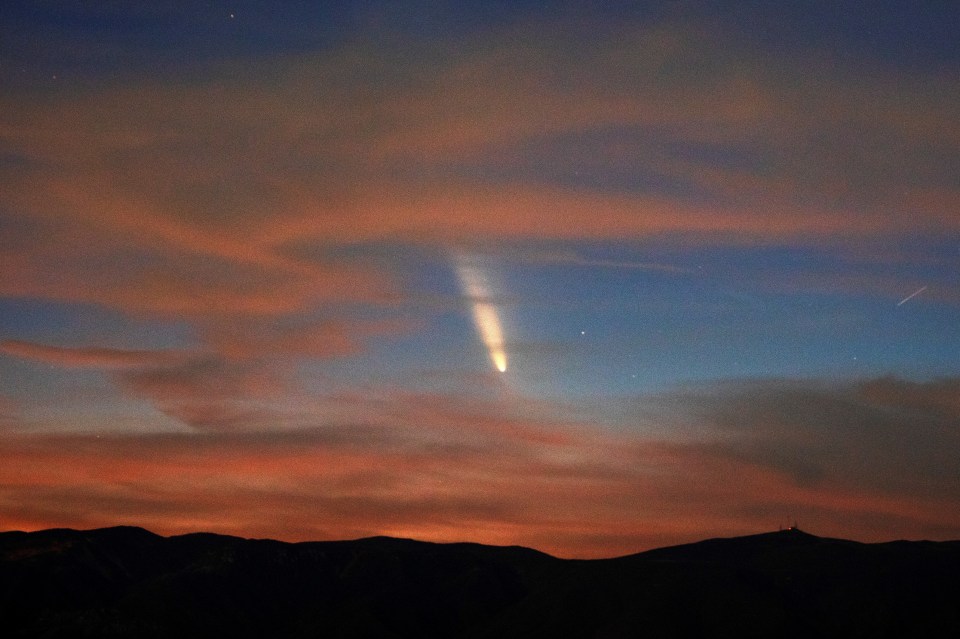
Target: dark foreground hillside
[{"x": 128, "y": 582}]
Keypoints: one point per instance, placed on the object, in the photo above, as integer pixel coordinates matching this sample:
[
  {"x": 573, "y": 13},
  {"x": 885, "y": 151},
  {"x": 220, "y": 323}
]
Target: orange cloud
[
  {"x": 240, "y": 339},
  {"x": 108, "y": 358},
  {"x": 322, "y": 144},
  {"x": 323, "y": 485},
  {"x": 167, "y": 199},
  {"x": 436, "y": 468},
  {"x": 201, "y": 190}
]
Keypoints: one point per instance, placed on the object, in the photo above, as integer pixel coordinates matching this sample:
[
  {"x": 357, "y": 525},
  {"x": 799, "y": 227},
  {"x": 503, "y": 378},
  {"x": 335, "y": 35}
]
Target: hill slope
[{"x": 128, "y": 582}]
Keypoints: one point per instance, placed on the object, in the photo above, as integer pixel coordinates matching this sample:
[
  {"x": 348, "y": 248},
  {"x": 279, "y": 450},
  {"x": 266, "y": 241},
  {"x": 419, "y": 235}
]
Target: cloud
[
  {"x": 210, "y": 392},
  {"x": 201, "y": 390},
  {"x": 939, "y": 398},
  {"x": 868, "y": 460},
  {"x": 245, "y": 368},
  {"x": 317, "y": 141},
  {"x": 105, "y": 358},
  {"x": 249, "y": 370},
  {"x": 8, "y": 411},
  {"x": 574, "y": 258},
  {"x": 296, "y": 337},
  {"x": 203, "y": 186},
  {"x": 70, "y": 261},
  {"x": 186, "y": 197},
  {"x": 886, "y": 434}
]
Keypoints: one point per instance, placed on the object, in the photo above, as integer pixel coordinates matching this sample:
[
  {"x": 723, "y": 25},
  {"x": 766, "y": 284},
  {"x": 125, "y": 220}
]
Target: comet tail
[{"x": 485, "y": 318}]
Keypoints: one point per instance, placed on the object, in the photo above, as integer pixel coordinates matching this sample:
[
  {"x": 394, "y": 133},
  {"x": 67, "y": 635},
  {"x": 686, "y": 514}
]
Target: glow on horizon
[{"x": 485, "y": 317}]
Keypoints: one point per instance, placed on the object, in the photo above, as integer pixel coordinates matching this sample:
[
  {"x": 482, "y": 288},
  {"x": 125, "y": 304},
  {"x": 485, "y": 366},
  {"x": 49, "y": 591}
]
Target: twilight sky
[{"x": 261, "y": 264}]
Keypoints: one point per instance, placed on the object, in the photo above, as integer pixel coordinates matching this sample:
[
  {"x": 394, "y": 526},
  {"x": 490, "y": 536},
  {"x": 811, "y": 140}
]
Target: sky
[{"x": 587, "y": 280}]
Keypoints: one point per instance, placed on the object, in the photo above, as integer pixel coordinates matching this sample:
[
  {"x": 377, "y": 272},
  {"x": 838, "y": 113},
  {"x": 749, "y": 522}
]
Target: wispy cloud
[
  {"x": 105, "y": 358},
  {"x": 871, "y": 461},
  {"x": 189, "y": 199},
  {"x": 201, "y": 188},
  {"x": 8, "y": 411},
  {"x": 883, "y": 434},
  {"x": 573, "y": 258}
]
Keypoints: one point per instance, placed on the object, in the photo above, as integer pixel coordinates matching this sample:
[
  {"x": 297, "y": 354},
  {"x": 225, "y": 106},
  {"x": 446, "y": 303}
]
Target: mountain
[{"x": 128, "y": 582}]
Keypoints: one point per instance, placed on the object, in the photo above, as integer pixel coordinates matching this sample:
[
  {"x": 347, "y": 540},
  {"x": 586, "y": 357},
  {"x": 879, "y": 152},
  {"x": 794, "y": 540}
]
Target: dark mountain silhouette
[{"x": 128, "y": 582}]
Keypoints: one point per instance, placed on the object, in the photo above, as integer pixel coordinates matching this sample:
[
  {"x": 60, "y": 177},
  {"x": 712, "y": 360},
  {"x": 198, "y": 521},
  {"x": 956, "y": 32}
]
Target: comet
[
  {"x": 476, "y": 286},
  {"x": 911, "y": 296}
]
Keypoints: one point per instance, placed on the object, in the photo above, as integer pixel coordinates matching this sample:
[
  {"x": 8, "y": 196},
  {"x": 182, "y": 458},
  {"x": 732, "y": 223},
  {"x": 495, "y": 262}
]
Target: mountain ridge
[
  {"x": 127, "y": 581},
  {"x": 792, "y": 533}
]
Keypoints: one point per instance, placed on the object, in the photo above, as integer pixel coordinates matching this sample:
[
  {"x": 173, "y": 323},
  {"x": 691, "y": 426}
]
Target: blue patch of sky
[
  {"x": 86, "y": 401},
  {"x": 892, "y": 33},
  {"x": 76, "y": 325},
  {"x": 97, "y": 39},
  {"x": 445, "y": 344},
  {"x": 430, "y": 302},
  {"x": 53, "y": 396},
  {"x": 647, "y": 330},
  {"x": 56, "y": 397},
  {"x": 730, "y": 312},
  {"x": 91, "y": 40}
]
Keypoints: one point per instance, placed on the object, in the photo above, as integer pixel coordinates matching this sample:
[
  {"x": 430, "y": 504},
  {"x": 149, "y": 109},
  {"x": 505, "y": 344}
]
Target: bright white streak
[
  {"x": 485, "y": 317},
  {"x": 911, "y": 296}
]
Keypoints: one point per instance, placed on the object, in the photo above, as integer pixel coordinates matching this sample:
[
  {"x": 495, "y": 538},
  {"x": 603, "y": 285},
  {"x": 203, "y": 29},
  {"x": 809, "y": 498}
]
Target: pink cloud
[
  {"x": 436, "y": 468},
  {"x": 188, "y": 202},
  {"x": 169, "y": 164},
  {"x": 571, "y": 500},
  {"x": 239, "y": 339},
  {"x": 202, "y": 191},
  {"x": 107, "y": 358}
]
